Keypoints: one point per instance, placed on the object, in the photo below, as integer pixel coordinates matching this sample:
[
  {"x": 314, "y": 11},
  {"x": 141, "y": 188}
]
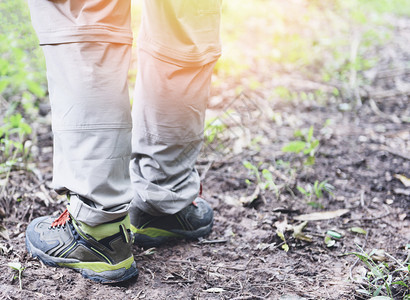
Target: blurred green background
[{"x": 324, "y": 41}]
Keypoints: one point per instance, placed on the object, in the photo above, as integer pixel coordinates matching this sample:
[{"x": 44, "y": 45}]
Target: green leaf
[
  {"x": 281, "y": 235},
  {"x": 314, "y": 144},
  {"x": 310, "y": 161},
  {"x": 329, "y": 241},
  {"x": 3, "y": 85},
  {"x": 358, "y": 230},
  {"x": 35, "y": 88},
  {"x": 401, "y": 283},
  {"x": 334, "y": 234},
  {"x": 25, "y": 128},
  {"x": 317, "y": 190},
  {"x": 295, "y": 146},
  {"x": 285, "y": 247},
  {"x": 298, "y": 133},
  {"x": 302, "y": 190},
  {"x": 267, "y": 174},
  {"x": 4, "y": 67},
  {"x": 15, "y": 265},
  {"x": 310, "y": 134},
  {"x": 247, "y": 165}
]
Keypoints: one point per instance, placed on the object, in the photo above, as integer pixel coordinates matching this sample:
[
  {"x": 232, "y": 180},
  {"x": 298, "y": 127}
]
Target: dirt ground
[{"x": 362, "y": 149}]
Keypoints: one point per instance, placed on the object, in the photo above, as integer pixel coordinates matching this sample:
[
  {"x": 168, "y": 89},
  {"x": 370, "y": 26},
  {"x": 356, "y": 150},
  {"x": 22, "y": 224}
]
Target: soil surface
[{"x": 363, "y": 148}]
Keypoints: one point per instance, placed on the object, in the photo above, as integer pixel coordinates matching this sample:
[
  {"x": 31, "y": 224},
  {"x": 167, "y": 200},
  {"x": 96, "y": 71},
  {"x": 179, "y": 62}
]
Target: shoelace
[
  {"x": 200, "y": 195},
  {"x": 61, "y": 220}
]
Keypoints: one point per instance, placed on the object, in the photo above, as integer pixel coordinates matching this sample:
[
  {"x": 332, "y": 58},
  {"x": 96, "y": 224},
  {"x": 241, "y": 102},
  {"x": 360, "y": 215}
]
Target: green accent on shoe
[
  {"x": 180, "y": 222},
  {"x": 192, "y": 222},
  {"x": 133, "y": 228},
  {"x": 99, "y": 266},
  {"x": 102, "y": 231},
  {"x": 80, "y": 232},
  {"x": 153, "y": 232},
  {"x": 125, "y": 233},
  {"x": 105, "y": 257},
  {"x": 65, "y": 252}
]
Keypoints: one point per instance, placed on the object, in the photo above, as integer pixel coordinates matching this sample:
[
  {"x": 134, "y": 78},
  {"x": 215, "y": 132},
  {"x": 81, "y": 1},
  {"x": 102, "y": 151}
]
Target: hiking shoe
[
  {"x": 192, "y": 222},
  {"x": 101, "y": 253}
]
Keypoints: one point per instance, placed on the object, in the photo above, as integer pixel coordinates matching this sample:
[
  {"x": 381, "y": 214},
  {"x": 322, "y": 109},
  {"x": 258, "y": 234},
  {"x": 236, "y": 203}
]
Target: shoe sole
[
  {"x": 146, "y": 241},
  {"x": 104, "y": 277}
]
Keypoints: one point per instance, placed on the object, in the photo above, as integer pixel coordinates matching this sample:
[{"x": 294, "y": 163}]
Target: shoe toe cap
[
  {"x": 40, "y": 236},
  {"x": 202, "y": 215}
]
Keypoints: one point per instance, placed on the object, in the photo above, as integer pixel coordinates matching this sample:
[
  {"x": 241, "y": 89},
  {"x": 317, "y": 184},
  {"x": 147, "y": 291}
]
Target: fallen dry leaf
[
  {"x": 323, "y": 215},
  {"x": 405, "y": 192},
  {"x": 282, "y": 225},
  {"x": 248, "y": 200},
  {"x": 403, "y": 179},
  {"x": 4, "y": 233},
  {"x": 298, "y": 234},
  {"x": 214, "y": 290}
]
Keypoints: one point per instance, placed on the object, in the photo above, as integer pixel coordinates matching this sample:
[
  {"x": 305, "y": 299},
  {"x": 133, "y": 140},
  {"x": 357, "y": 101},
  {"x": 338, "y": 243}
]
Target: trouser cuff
[{"x": 82, "y": 212}]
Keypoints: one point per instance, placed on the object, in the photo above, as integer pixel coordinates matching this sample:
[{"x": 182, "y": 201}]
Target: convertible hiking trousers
[{"x": 108, "y": 159}]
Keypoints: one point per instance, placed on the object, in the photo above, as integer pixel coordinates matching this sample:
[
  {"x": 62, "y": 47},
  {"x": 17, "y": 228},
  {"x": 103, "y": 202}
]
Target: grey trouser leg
[
  {"x": 92, "y": 127},
  {"x": 87, "y": 66},
  {"x": 178, "y": 46},
  {"x": 168, "y": 120}
]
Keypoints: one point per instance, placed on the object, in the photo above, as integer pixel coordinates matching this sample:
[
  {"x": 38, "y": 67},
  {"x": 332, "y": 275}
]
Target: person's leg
[
  {"x": 87, "y": 77},
  {"x": 92, "y": 127},
  {"x": 87, "y": 70},
  {"x": 178, "y": 47}
]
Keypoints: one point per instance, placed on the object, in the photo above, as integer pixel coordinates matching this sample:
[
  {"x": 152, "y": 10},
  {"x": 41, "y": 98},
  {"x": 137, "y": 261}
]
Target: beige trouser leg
[{"x": 87, "y": 50}]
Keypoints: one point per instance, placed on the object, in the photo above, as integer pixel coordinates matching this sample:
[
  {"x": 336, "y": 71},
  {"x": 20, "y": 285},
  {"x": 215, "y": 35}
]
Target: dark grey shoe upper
[
  {"x": 194, "y": 221},
  {"x": 51, "y": 241},
  {"x": 196, "y": 215},
  {"x": 66, "y": 242}
]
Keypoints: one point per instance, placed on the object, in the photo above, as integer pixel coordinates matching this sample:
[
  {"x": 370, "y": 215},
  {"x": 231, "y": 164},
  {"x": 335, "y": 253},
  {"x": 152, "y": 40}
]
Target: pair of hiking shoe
[{"x": 103, "y": 253}]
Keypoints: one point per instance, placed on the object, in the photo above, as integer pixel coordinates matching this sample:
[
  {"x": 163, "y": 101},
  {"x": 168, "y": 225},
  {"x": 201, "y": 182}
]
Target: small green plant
[
  {"x": 306, "y": 144},
  {"x": 285, "y": 245},
  {"x": 13, "y": 145},
  {"x": 316, "y": 192},
  {"x": 321, "y": 187},
  {"x": 265, "y": 182},
  {"x": 255, "y": 143},
  {"x": 213, "y": 128},
  {"x": 22, "y": 62},
  {"x": 16, "y": 266},
  {"x": 253, "y": 170},
  {"x": 383, "y": 278},
  {"x": 13, "y": 134}
]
